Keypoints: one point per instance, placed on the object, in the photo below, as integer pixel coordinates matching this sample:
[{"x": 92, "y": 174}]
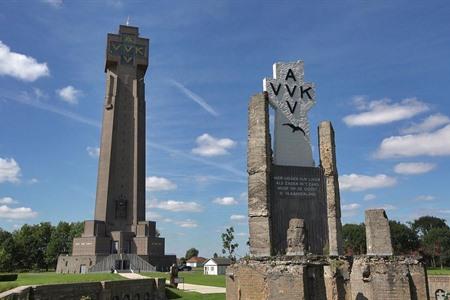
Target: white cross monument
[{"x": 291, "y": 98}]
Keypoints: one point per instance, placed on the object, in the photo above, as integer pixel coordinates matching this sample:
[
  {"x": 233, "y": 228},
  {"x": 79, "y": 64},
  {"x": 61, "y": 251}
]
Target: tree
[
  {"x": 404, "y": 239},
  {"x": 424, "y": 224},
  {"x": 60, "y": 243},
  {"x": 191, "y": 253},
  {"x": 436, "y": 244},
  {"x": 215, "y": 255},
  {"x": 6, "y": 251},
  {"x": 354, "y": 237},
  {"x": 228, "y": 243}
]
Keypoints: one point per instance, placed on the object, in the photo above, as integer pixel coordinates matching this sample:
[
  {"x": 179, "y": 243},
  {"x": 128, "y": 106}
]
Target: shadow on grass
[{"x": 172, "y": 295}]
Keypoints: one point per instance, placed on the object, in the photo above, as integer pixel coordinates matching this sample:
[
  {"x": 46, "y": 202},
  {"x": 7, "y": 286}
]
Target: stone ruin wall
[
  {"x": 325, "y": 278},
  {"x": 301, "y": 275},
  {"x": 144, "y": 289}
]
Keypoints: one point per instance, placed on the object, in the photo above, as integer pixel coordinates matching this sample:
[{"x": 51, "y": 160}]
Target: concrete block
[
  {"x": 327, "y": 150},
  {"x": 378, "y": 234}
]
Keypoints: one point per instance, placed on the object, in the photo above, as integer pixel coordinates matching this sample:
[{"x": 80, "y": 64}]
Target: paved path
[
  {"x": 202, "y": 289},
  {"x": 132, "y": 275}
]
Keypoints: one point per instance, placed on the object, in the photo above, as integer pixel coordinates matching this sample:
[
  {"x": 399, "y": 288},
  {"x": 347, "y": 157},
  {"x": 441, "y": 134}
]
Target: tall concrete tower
[
  {"x": 119, "y": 237},
  {"x": 120, "y": 199}
]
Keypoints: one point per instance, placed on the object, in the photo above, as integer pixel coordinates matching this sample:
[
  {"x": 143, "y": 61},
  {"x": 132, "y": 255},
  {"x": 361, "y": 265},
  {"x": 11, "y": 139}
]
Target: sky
[{"x": 380, "y": 68}]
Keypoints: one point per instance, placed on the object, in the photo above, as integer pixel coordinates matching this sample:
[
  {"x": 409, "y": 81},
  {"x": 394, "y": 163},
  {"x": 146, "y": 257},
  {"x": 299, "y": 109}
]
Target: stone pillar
[
  {"x": 327, "y": 149},
  {"x": 258, "y": 167},
  {"x": 296, "y": 237},
  {"x": 378, "y": 234}
]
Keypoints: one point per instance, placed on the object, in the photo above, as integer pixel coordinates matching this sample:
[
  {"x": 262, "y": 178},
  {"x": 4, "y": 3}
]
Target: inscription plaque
[{"x": 299, "y": 192}]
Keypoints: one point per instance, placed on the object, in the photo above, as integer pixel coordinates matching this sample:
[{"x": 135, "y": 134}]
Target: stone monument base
[
  {"x": 327, "y": 278},
  {"x": 116, "y": 262}
]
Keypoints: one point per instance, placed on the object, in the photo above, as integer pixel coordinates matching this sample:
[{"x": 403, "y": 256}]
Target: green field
[
  {"x": 194, "y": 277},
  {"x": 438, "y": 271},
  {"x": 52, "y": 277}
]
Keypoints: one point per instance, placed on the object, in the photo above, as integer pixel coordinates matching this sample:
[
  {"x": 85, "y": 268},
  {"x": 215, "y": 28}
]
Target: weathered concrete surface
[
  {"x": 327, "y": 151},
  {"x": 328, "y": 278},
  {"x": 337, "y": 278},
  {"x": 418, "y": 279},
  {"x": 284, "y": 277},
  {"x": 257, "y": 280},
  {"x": 396, "y": 278},
  {"x": 258, "y": 168},
  {"x": 378, "y": 234},
  {"x": 296, "y": 237}
]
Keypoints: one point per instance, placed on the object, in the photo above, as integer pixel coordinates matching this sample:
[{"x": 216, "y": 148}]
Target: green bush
[{"x": 8, "y": 277}]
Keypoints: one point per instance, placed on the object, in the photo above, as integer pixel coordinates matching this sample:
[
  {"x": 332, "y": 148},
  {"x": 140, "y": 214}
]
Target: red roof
[{"x": 196, "y": 259}]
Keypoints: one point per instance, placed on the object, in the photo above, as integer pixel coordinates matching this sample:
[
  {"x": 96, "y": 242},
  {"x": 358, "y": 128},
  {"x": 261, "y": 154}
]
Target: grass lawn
[
  {"x": 52, "y": 277},
  {"x": 177, "y": 294},
  {"x": 194, "y": 277},
  {"x": 438, "y": 271}
]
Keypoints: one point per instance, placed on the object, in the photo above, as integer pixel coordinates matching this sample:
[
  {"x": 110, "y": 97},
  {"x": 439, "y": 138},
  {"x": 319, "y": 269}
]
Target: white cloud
[
  {"x": 238, "y": 174},
  {"x": 384, "y": 111},
  {"x": 20, "y": 66},
  {"x": 69, "y": 94},
  {"x": 424, "y": 198},
  {"x": 187, "y": 223},
  {"x": 9, "y": 170},
  {"x": 208, "y": 145},
  {"x": 54, "y": 3},
  {"x": 93, "y": 151},
  {"x": 194, "y": 97},
  {"x": 7, "y": 200},
  {"x": 429, "y": 124},
  {"x": 413, "y": 168},
  {"x": 225, "y": 201},
  {"x": 33, "y": 181},
  {"x": 152, "y": 216},
  {"x": 436, "y": 143},
  {"x": 7, "y": 212},
  {"x": 115, "y": 3},
  {"x": 369, "y": 197},
  {"x": 351, "y": 209},
  {"x": 39, "y": 94},
  {"x": 31, "y": 100},
  {"x": 238, "y": 218},
  {"x": 154, "y": 183},
  {"x": 241, "y": 234},
  {"x": 173, "y": 205},
  {"x": 357, "y": 182}
]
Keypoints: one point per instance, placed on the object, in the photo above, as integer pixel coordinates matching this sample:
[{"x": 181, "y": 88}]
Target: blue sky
[{"x": 381, "y": 71}]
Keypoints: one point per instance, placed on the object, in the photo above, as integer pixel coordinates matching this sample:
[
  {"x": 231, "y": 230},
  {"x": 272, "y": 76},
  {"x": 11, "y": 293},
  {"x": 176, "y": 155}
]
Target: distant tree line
[
  {"x": 36, "y": 247},
  {"x": 427, "y": 236}
]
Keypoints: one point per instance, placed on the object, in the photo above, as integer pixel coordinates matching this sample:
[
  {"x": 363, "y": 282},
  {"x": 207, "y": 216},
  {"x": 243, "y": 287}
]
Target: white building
[
  {"x": 196, "y": 261},
  {"x": 216, "y": 266}
]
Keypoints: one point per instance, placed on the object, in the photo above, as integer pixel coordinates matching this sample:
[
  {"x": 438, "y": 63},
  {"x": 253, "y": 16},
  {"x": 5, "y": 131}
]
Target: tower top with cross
[{"x": 127, "y": 49}]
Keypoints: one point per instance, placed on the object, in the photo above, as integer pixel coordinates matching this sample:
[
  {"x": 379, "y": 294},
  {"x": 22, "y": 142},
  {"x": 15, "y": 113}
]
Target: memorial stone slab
[{"x": 291, "y": 98}]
